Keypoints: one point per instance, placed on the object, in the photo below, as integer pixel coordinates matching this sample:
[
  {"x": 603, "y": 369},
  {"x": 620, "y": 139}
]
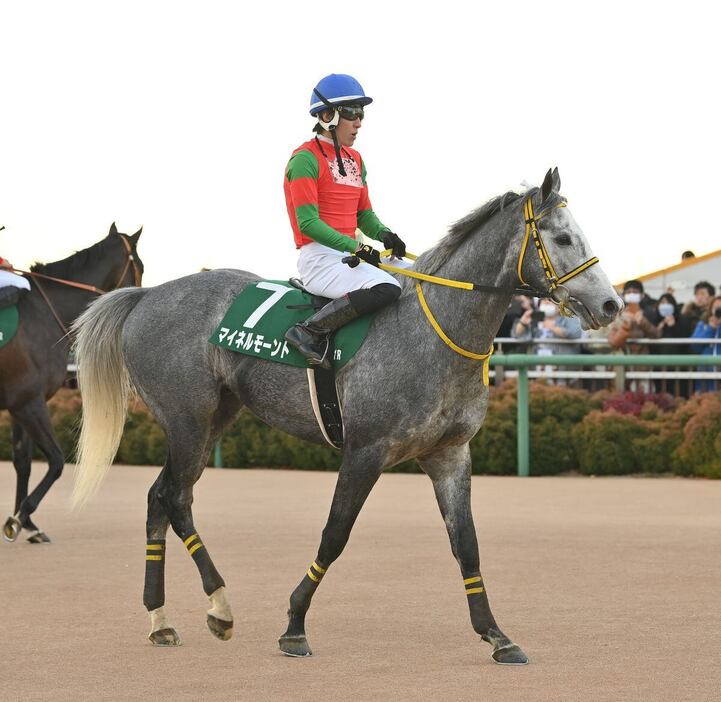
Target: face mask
[
  {"x": 665, "y": 309},
  {"x": 632, "y": 298},
  {"x": 550, "y": 310}
]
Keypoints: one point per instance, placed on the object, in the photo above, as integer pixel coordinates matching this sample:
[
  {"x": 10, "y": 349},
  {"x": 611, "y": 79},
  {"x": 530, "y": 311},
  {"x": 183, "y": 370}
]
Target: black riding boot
[
  {"x": 311, "y": 337},
  {"x": 9, "y": 296}
]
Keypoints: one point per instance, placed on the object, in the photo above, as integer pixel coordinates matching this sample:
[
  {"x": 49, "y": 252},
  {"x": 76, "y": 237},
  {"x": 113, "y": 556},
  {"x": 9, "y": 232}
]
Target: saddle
[{"x": 255, "y": 325}]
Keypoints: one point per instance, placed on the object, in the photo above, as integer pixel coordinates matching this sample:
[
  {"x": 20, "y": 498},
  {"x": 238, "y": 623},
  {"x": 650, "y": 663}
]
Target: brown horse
[{"x": 33, "y": 365}]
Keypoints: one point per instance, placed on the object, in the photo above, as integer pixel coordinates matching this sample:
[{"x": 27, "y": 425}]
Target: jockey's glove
[
  {"x": 394, "y": 242},
  {"x": 363, "y": 253}
]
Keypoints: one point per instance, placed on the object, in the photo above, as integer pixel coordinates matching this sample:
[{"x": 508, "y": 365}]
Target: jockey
[
  {"x": 327, "y": 199},
  {"x": 10, "y": 279}
]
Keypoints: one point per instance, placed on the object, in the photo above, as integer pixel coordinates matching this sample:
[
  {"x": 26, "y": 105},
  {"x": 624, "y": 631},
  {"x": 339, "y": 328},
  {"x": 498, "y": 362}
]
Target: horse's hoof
[
  {"x": 294, "y": 646},
  {"x": 165, "y": 637},
  {"x": 11, "y": 529},
  {"x": 220, "y": 628},
  {"x": 39, "y": 537},
  {"x": 510, "y": 654}
]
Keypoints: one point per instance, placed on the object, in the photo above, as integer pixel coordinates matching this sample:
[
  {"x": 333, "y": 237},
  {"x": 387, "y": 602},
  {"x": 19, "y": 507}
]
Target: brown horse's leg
[
  {"x": 22, "y": 460},
  {"x": 355, "y": 481},
  {"x": 35, "y": 420},
  {"x": 450, "y": 471}
]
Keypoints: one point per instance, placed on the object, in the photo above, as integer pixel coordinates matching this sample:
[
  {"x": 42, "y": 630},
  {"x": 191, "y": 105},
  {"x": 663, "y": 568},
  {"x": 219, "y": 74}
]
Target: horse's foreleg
[
  {"x": 32, "y": 421},
  {"x": 355, "y": 482},
  {"x": 450, "y": 471}
]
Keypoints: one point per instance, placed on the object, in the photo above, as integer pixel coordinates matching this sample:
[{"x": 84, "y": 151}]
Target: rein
[
  {"x": 554, "y": 281},
  {"x": 130, "y": 260}
]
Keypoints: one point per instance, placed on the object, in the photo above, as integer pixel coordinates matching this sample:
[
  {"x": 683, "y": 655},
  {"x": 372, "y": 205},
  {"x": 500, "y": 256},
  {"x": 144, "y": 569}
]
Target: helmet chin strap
[{"x": 330, "y": 127}]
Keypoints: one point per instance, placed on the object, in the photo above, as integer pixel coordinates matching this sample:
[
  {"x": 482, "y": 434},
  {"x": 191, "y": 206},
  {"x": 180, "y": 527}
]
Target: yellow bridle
[
  {"x": 554, "y": 282},
  {"x": 551, "y": 276}
]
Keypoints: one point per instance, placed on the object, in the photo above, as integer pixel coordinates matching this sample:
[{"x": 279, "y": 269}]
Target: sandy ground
[{"x": 611, "y": 586}]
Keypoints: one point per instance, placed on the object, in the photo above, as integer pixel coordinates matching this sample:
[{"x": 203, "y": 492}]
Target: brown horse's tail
[{"x": 105, "y": 386}]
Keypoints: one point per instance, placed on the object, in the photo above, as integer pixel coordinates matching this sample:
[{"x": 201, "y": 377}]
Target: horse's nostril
[{"x": 611, "y": 308}]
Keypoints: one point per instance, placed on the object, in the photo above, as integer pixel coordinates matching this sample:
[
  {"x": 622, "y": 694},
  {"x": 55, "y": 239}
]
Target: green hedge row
[{"x": 571, "y": 430}]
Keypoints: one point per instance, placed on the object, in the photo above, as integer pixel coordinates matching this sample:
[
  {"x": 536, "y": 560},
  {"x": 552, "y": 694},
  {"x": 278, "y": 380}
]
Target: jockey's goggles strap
[{"x": 331, "y": 127}]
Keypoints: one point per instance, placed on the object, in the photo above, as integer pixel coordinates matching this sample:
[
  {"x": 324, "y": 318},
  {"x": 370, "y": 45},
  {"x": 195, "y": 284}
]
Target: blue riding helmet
[{"x": 338, "y": 88}]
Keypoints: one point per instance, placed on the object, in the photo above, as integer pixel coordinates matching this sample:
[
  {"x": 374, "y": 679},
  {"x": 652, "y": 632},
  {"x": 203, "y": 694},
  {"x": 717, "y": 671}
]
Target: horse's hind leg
[
  {"x": 189, "y": 448},
  {"x": 161, "y": 634},
  {"x": 450, "y": 471},
  {"x": 22, "y": 461},
  {"x": 356, "y": 479},
  {"x": 32, "y": 421}
]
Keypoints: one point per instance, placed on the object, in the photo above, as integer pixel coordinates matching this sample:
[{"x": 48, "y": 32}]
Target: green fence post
[
  {"x": 218, "y": 455},
  {"x": 523, "y": 422}
]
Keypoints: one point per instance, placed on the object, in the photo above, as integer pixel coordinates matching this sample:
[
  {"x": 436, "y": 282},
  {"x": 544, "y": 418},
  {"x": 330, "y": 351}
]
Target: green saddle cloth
[
  {"x": 256, "y": 323},
  {"x": 8, "y": 324}
]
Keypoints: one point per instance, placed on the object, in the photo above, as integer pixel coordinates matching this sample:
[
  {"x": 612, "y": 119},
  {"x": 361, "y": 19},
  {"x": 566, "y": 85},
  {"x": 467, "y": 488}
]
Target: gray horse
[{"x": 405, "y": 394}]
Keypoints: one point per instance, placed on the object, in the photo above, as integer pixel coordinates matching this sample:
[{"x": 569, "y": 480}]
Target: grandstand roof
[{"x": 681, "y": 277}]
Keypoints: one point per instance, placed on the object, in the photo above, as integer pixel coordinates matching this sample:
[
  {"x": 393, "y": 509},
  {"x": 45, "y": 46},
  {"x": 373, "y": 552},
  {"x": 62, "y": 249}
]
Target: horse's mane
[
  {"x": 74, "y": 263},
  {"x": 430, "y": 261}
]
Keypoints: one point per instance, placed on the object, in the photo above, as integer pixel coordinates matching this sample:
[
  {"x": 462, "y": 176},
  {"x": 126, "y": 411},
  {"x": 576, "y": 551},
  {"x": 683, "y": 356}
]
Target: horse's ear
[
  {"x": 556, "y": 180},
  {"x": 547, "y": 187},
  {"x": 113, "y": 229},
  {"x": 134, "y": 238}
]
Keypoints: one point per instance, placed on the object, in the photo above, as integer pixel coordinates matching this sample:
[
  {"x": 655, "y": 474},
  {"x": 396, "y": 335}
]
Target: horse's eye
[{"x": 563, "y": 240}]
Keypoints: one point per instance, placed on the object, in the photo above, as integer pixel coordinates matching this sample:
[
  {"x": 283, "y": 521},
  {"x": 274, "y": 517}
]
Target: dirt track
[{"x": 611, "y": 586}]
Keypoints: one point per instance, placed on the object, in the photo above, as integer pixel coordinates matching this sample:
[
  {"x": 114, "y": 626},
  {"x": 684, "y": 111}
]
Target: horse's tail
[{"x": 105, "y": 386}]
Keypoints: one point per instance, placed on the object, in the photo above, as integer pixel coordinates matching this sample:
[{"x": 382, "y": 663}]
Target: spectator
[
  {"x": 632, "y": 323},
  {"x": 519, "y": 304},
  {"x": 670, "y": 325},
  {"x": 547, "y": 325},
  {"x": 695, "y": 309},
  {"x": 708, "y": 328},
  {"x": 647, "y": 303}
]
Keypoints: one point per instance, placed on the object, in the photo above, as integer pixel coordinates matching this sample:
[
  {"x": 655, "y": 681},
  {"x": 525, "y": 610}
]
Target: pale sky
[{"x": 181, "y": 117}]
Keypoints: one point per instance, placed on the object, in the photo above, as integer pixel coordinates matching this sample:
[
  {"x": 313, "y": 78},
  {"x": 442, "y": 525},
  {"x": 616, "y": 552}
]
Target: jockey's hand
[
  {"x": 363, "y": 253},
  {"x": 393, "y": 241}
]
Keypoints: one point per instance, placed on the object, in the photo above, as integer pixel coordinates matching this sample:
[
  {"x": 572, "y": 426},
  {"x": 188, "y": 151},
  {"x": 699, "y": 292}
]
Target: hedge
[{"x": 571, "y": 430}]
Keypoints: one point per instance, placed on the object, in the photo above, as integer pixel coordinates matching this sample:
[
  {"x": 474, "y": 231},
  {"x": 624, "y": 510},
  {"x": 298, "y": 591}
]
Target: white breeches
[
  {"x": 14, "y": 280},
  {"x": 323, "y": 273}
]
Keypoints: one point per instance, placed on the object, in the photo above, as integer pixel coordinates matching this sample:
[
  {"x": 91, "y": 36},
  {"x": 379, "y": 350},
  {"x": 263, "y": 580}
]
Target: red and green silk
[{"x": 322, "y": 205}]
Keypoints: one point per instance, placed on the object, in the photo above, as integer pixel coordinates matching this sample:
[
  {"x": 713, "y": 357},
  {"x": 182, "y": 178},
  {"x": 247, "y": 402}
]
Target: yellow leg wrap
[{"x": 193, "y": 549}]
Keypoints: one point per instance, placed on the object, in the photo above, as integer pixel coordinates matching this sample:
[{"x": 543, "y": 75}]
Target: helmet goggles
[{"x": 350, "y": 112}]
